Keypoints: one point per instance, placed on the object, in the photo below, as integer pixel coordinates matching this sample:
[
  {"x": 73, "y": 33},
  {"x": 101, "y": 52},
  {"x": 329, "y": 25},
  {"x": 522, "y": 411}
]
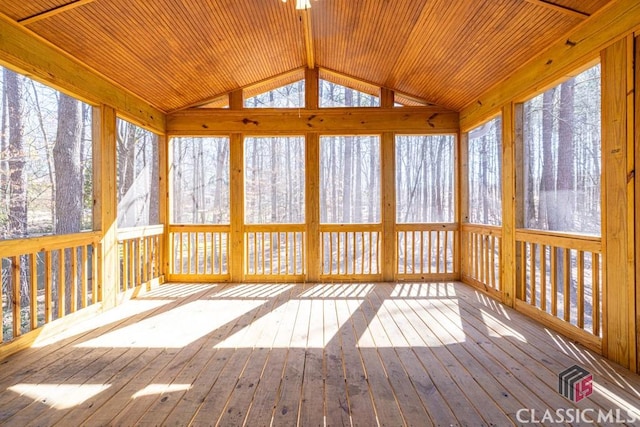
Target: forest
[{"x": 46, "y": 179}]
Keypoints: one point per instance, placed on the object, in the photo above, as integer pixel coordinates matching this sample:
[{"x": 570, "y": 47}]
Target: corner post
[
  {"x": 508, "y": 263},
  {"x": 618, "y": 228},
  {"x": 105, "y": 204}
]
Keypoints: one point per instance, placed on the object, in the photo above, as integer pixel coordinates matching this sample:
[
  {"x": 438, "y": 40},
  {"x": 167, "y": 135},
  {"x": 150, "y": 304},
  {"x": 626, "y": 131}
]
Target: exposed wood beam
[
  {"x": 311, "y": 94},
  {"x": 559, "y": 8},
  {"x": 582, "y": 45},
  {"x": 53, "y": 12},
  {"x": 305, "y": 17},
  {"x": 426, "y": 120},
  {"x": 386, "y": 98},
  {"x": 26, "y": 52},
  {"x": 236, "y": 100}
]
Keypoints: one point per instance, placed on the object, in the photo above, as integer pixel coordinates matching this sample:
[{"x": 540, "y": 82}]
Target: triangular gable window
[
  {"x": 287, "y": 96},
  {"x": 337, "y": 95}
]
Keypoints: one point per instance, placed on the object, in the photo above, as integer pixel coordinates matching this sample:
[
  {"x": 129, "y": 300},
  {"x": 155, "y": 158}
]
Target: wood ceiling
[{"x": 180, "y": 53}]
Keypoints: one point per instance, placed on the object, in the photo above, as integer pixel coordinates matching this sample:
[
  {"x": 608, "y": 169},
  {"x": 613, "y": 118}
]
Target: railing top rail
[
  {"x": 349, "y": 227},
  {"x": 252, "y": 228},
  {"x": 186, "y": 228},
  {"x": 15, "y": 247},
  {"x": 432, "y": 226},
  {"x": 482, "y": 229},
  {"x": 562, "y": 240},
  {"x": 140, "y": 232}
]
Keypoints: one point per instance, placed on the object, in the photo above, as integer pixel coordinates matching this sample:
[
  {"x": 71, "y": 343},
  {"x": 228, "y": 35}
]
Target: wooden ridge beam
[
  {"x": 305, "y": 17},
  {"x": 26, "y": 52},
  {"x": 53, "y": 12},
  {"x": 582, "y": 45},
  {"x": 427, "y": 120},
  {"x": 559, "y": 8}
]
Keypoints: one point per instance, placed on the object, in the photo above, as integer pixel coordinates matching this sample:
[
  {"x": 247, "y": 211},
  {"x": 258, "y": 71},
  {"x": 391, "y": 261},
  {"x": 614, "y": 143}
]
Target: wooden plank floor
[{"x": 310, "y": 355}]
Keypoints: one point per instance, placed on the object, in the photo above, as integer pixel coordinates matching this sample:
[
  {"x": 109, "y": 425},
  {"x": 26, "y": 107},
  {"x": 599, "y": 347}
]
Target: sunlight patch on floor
[
  {"x": 176, "y": 328},
  {"x": 59, "y": 396},
  {"x": 157, "y": 389},
  {"x": 116, "y": 314}
]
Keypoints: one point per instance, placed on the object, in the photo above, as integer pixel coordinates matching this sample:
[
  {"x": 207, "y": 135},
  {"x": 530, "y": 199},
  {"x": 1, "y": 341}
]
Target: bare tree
[{"x": 17, "y": 193}]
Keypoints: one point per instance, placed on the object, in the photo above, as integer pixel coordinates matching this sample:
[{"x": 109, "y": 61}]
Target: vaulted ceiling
[{"x": 179, "y": 53}]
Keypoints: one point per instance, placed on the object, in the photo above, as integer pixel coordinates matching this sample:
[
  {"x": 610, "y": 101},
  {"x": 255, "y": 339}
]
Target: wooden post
[
  {"x": 619, "y": 342},
  {"x": 164, "y": 197},
  {"x": 637, "y": 188},
  {"x": 236, "y": 187},
  {"x": 311, "y": 88},
  {"x": 388, "y": 188},
  {"x": 463, "y": 196},
  {"x": 457, "y": 210},
  {"x": 508, "y": 263},
  {"x": 312, "y": 206},
  {"x": 387, "y": 98},
  {"x": 236, "y": 100},
  {"x": 105, "y": 202}
]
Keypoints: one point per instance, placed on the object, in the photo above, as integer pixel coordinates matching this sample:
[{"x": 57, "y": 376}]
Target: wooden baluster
[
  {"x": 580, "y": 290},
  {"x": 566, "y": 284},
  {"x": 554, "y": 281},
  {"x": 543, "y": 277},
  {"x": 61, "y": 285},
  {"x": 85, "y": 275},
  {"x": 1, "y": 303},
  {"x": 595, "y": 297},
  {"x": 532, "y": 274},
  {"x": 95, "y": 273},
  {"x": 523, "y": 271},
  {"x": 15, "y": 285},
  {"x": 33, "y": 282},
  {"x": 74, "y": 279}
]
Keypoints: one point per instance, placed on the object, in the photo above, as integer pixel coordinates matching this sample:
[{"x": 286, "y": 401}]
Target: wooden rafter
[
  {"x": 305, "y": 17},
  {"x": 559, "y": 8},
  {"x": 55, "y": 11}
]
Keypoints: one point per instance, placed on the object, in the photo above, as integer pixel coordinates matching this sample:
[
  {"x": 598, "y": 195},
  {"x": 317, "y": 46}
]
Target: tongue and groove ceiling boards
[{"x": 182, "y": 53}]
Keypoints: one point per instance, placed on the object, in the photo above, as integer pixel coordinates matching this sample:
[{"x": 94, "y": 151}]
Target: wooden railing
[
  {"x": 44, "y": 279},
  {"x": 350, "y": 251},
  {"x": 140, "y": 251},
  {"x": 275, "y": 251},
  {"x": 426, "y": 251},
  {"x": 481, "y": 254},
  {"x": 559, "y": 282},
  {"x": 199, "y": 252}
]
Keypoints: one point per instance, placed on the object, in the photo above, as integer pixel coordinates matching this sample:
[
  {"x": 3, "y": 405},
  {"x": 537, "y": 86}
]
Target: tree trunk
[
  {"x": 546, "y": 213},
  {"x": 154, "y": 201},
  {"x": 565, "y": 202},
  {"x": 274, "y": 181},
  {"x": 357, "y": 208},
  {"x": 66, "y": 159},
  {"x": 68, "y": 186},
  {"x": 16, "y": 163}
]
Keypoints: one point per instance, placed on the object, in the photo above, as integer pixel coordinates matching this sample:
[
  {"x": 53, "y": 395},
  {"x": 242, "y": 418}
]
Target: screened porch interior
[{"x": 318, "y": 212}]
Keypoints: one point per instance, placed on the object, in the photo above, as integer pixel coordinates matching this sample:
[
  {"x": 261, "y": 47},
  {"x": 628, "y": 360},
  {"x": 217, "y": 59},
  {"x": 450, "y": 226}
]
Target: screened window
[
  {"x": 562, "y": 156},
  {"x": 274, "y": 180},
  {"x": 350, "y": 179},
  {"x": 484, "y": 153},
  {"x": 137, "y": 160},
  {"x": 288, "y": 96},
  {"x": 424, "y": 178},
  {"x": 335, "y": 95},
  {"x": 200, "y": 178},
  {"x": 46, "y": 184}
]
